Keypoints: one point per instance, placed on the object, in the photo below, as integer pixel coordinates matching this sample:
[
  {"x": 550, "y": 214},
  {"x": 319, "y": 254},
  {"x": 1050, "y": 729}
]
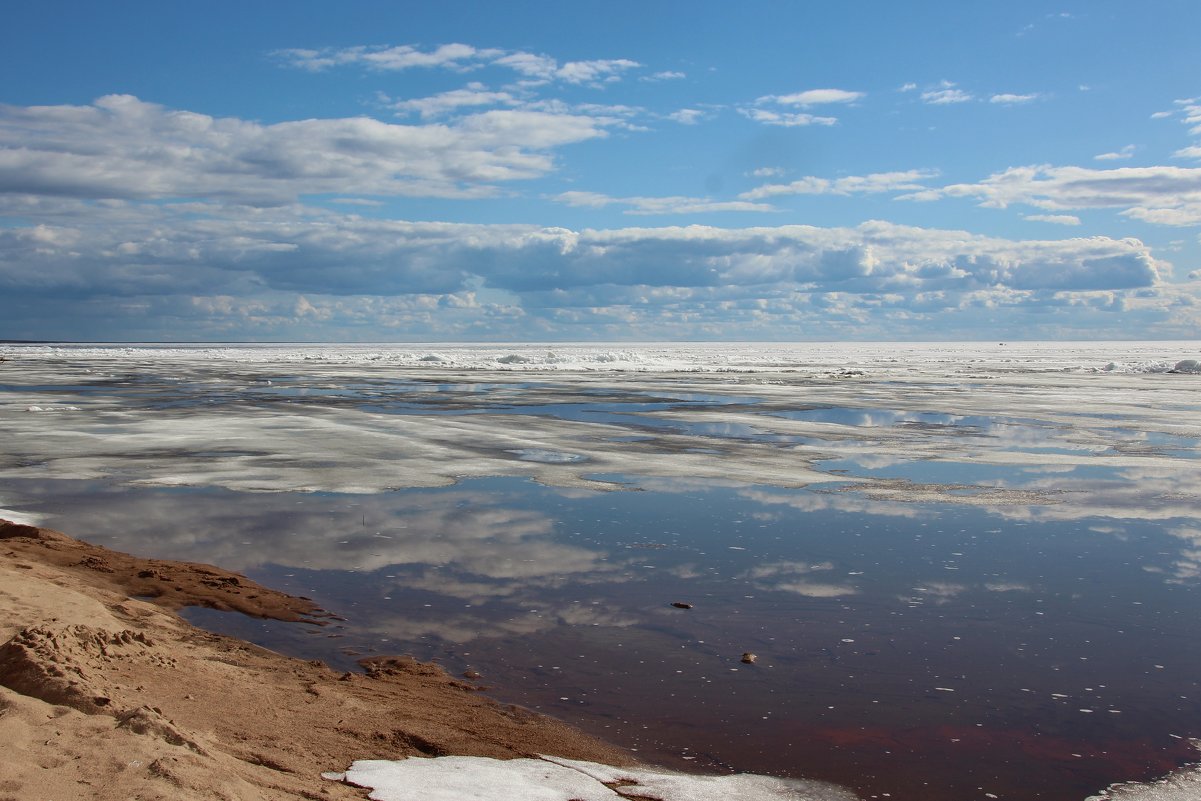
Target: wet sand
[{"x": 106, "y": 693}]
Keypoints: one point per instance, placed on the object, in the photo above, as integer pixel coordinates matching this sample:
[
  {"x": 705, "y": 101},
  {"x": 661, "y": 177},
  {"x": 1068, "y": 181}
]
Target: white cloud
[
  {"x": 907, "y": 87},
  {"x": 544, "y": 68},
  {"x": 767, "y": 172},
  {"x": 601, "y": 70},
  {"x": 1057, "y": 219},
  {"x": 471, "y": 96},
  {"x": 687, "y": 116},
  {"x": 122, "y": 147},
  {"x": 848, "y": 185},
  {"x": 813, "y": 97},
  {"x": 786, "y": 120},
  {"x": 1012, "y": 99},
  {"x": 791, "y": 119},
  {"x": 659, "y": 205},
  {"x": 1162, "y": 195},
  {"x": 666, "y": 75},
  {"x": 945, "y": 94},
  {"x": 400, "y": 57},
  {"x": 461, "y": 57},
  {"x": 1192, "y": 152},
  {"x": 152, "y": 250},
  {"x": 1118, "y": 155}
]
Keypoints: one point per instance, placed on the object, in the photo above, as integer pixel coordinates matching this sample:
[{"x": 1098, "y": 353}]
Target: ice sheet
[{"x": 369, "y": 418}]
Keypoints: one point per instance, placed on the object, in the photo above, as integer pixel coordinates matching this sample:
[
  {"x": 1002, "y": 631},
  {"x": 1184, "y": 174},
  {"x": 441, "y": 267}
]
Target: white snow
[{"x": 457, "y": 778}]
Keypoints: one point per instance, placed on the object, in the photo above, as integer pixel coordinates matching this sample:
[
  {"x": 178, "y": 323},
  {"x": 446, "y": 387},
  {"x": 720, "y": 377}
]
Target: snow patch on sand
[{"x": 456, "y": 778}]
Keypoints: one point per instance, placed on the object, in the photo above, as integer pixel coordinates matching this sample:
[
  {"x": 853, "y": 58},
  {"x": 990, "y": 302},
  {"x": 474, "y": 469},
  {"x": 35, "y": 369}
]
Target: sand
[{"x": 106, "y": 693}]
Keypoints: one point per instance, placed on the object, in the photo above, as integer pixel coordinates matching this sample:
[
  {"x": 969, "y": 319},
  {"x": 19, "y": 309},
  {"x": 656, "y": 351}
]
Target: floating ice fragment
[{"x": 455, "y": 778}]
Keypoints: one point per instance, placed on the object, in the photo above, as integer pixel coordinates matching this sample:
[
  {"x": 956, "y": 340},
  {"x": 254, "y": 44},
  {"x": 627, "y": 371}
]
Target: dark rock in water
[
  {"x": 471, "y": 674},
  {"x": 748, "y": 658},
  {"x": 681, "y": 605}
]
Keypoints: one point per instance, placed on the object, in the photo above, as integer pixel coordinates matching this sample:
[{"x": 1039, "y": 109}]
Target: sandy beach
[{"x": 106, "y": 693}]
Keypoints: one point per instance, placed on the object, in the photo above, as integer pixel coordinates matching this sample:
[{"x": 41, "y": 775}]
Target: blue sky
[{"x": 372, "y": 171}]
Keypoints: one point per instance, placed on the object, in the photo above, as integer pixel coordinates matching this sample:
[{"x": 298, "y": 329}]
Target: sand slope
[{"x": 107, "y": 697}]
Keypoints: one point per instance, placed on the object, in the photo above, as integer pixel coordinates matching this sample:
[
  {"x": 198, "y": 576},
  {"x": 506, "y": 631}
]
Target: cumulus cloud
[
  {"x": 151, "y": 249},
  {"x": 123, "y": 147},
  {"x": 848, "y": 185},
  {"x": 1162, "y": 195}
]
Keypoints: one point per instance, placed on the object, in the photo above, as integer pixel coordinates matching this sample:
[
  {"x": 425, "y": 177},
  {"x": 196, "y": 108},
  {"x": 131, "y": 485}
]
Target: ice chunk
[{"x": 554, "y": 779}]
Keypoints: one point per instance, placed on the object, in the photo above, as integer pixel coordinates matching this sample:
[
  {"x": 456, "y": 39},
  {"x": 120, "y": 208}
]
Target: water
[{"x": 963, "y": 575}]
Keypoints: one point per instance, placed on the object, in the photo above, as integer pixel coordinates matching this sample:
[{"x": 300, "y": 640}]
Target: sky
[{"x": 600, "y": 171}]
